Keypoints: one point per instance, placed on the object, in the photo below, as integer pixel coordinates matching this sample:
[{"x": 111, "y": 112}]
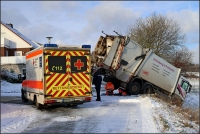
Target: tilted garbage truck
[{"x": 138, "y": 70}]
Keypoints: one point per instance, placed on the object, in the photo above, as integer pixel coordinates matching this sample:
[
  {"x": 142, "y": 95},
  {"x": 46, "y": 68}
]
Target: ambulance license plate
[{"x": 68, "y": 100}]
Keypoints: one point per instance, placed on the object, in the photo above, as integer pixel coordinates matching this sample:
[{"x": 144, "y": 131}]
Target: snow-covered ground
[{"x": 157, "y": 116}]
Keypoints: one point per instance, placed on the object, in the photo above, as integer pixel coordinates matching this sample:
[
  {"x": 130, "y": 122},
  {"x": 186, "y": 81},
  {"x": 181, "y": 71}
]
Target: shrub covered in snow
[{"x": 9, "y": 76}]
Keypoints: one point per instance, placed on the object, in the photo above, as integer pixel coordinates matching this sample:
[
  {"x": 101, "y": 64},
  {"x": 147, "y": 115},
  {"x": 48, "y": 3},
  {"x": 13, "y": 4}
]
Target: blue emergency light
[
  {"x": 86, "y": 46},
  {"x": 50, "y": 45}
]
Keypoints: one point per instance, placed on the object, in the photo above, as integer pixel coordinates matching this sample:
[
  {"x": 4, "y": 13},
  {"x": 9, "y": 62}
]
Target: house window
[
  {"x": 6, "y": 53},
  {"x": 18, "y": 53}
]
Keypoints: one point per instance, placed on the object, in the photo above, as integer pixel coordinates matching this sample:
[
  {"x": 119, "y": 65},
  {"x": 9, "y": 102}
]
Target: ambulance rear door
[
  {"x": 80, "y": 72},
  {"x": 56, "y": 74}
]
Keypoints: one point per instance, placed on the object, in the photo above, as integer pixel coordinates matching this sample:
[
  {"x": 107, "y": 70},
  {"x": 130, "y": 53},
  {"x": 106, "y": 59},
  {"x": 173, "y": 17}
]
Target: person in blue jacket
[{"x": 97, "y": 79}]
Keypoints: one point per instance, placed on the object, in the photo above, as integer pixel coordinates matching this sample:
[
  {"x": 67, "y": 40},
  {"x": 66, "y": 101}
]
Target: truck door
[
  {"x": 80, "y": 75},
  {"x": 56, "y": 73},
  {"x": 183, "y": 88}
]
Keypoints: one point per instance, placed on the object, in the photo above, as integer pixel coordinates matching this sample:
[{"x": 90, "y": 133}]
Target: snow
[
  {"x": 147, "y": 114},
  {"x": 7, "y": 87},
  {"x": 14, "y": 118}
]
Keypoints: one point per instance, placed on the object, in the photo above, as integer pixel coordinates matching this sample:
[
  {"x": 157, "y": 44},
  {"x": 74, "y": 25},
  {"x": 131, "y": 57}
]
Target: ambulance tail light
[
  {"x": 88, "y": 98},
  {"x": 49, "y": 101}
]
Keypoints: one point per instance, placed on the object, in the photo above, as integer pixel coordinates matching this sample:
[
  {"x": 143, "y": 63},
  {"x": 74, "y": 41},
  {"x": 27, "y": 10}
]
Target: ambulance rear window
[
  {"x": 57, "y": 64},
  {"x": 78, "y": 63}
]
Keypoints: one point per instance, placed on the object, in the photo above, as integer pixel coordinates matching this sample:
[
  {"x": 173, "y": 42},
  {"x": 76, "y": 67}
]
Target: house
[
  {"x": 14, "y": 46},
  {"x": 13, "y": 43}
]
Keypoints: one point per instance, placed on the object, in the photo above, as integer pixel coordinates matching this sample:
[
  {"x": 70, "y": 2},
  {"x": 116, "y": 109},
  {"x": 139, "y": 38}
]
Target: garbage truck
[
  {"x": 138, "y": 70},
  {"x": 56, "y": 74}
]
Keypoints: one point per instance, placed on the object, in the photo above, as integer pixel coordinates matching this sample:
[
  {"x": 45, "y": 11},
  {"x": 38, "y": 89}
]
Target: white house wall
[
  {"x": 14, "y": 40},
  {"x": 4, "y": 42}
]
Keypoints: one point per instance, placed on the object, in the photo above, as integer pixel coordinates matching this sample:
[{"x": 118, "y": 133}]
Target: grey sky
[{"x": 81, "y": 22}]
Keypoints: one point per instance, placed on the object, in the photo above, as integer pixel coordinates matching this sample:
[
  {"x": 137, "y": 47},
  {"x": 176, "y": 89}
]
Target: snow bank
[
  {"x": 192, "y": 101},
  {"x": 195, "y": 84},
  {"x": 7, "y": 87},
  {"x": 170, "y": 121},
  {"x": 15, "y": 118}
]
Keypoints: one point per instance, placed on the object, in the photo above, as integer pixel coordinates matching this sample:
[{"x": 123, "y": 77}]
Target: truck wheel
[
  {"x": 148, "y": 89},
  {"x": 22, "y": 96},
  {"x": 134, "y": 88}
]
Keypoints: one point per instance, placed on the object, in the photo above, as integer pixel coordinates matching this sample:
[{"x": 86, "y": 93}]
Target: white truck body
[{"x": 128, "y": 62}]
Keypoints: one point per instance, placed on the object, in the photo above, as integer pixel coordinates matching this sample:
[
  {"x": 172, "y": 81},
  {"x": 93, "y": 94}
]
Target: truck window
[
  {"x": 57, "y": 64},
  {"x": 184, "y": 85}
]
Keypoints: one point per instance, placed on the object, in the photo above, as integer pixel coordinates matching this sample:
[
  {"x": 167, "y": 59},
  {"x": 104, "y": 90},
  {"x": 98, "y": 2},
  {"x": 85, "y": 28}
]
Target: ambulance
[{"x": 57, "y": 75}]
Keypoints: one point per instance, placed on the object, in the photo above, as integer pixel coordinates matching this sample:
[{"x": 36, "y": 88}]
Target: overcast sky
[{"x": 81, "y": 22}]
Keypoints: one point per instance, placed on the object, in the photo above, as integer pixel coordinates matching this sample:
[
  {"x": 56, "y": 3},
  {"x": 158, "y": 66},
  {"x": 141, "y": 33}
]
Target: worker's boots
[{"x": 98, "y": 99}]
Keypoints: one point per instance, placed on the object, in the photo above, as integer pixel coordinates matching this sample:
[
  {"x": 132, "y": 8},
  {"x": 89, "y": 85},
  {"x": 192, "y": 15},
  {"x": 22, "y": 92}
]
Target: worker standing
[{"x": 97, "y": 79}]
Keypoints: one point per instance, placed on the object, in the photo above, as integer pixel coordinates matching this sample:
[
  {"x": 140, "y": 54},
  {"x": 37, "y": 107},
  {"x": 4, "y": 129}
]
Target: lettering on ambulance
[
  {"x": 57, "y": 64},
  {"x": 72, "y": 87},
  {"x": 35, "y": 62}
]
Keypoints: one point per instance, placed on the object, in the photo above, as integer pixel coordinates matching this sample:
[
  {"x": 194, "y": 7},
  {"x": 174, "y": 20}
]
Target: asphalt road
[
  {"x": 14, "y": 100},
  {"x": 114, "y": 114},
  {"x": 17, "y": 99},
  {"x": 11, "y": 99}
]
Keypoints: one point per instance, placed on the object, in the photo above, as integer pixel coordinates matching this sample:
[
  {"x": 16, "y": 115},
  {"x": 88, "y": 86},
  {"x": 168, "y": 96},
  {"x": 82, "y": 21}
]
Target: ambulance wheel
[
  {"x": 22, "y": 96},
  {"x": 38, "y": 105},
  {"x": 148, "y": 89},
  {"x": 134, "y": 88}
]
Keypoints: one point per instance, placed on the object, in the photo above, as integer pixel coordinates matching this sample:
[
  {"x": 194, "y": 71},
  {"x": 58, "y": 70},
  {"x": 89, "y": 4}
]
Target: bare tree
[
  {"x": 157, "y": 32},
  {"x": 182, "y": 58}
]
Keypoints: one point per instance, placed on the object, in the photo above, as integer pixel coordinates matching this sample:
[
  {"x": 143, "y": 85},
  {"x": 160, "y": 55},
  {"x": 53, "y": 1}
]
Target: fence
[{"x": 13, "y": 60}]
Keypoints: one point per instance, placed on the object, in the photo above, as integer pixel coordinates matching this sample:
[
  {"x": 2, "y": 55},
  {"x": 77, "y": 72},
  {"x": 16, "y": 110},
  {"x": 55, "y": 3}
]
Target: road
[{"x": 114, "y": 114}]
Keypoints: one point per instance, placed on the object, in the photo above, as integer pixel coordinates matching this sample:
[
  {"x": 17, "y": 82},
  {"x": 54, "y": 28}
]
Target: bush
[
  {"x": 8, "y": 76},
  {"x": 12, "y": 70}
]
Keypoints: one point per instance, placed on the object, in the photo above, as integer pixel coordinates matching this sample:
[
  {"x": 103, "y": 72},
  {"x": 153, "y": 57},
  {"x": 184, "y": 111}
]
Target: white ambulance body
[{"x": 58, "y": 75}]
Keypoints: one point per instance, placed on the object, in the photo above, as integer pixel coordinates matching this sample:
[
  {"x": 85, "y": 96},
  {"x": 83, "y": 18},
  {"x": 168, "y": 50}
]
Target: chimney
[{"x": 11, "y": 25}]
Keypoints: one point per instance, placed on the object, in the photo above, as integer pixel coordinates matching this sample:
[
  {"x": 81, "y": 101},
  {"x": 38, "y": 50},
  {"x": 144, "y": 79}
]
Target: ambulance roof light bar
[{"x": 50, "y": 45}]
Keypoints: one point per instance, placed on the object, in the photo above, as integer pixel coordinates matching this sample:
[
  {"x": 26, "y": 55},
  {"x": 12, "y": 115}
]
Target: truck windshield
[{"x": 185, "y": 85}]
